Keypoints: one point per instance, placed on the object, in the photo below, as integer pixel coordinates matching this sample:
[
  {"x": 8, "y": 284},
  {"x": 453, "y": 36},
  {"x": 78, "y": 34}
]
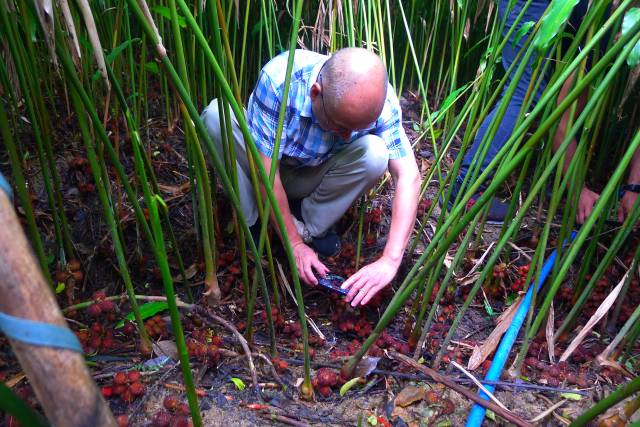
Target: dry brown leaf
[
  {"x": 481, "y": 353},
  {"x": 410, "y": 394},
  {"x": 599, "y": 314},
  {"x": 551, "y": 343},
  {"x": 14, "y": 380},
  {"x": 189, "y": 272},
  {"x": 175, "y": 190}
]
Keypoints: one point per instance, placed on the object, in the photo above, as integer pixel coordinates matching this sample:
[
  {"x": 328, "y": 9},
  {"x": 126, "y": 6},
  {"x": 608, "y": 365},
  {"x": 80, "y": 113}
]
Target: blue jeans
[{"x": 505, "y": 128}]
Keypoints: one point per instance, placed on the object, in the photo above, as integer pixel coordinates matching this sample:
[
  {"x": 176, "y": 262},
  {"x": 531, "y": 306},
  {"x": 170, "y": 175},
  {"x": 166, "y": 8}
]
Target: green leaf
[
  {"x": 373, "y": 420},
  {"x": 447, "y": 103},
  {"x": 152, "y": 67},
  {"x": 488, "y": 308},
  {"x": 348, "y": 385},
  {"x": 571, "y": 396},
  {"x": 114, "y": 54},
  {"x": 524, "y": 29},
  {"x": 238, "y": 383},
  {"x": 166, "y": 13},
  {"x": 491, "y": 415},
  {"x": 24, "y": 414},
  {"x": 59, "y": 287},
  {"x": 146, "y": 310},
  {"x": 552, "y": 22},
  {"x": 630, "y": 19}
]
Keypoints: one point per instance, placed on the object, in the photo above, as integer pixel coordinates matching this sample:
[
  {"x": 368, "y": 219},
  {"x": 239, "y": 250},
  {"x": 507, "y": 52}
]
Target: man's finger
[{"x": 360, "y": 295}]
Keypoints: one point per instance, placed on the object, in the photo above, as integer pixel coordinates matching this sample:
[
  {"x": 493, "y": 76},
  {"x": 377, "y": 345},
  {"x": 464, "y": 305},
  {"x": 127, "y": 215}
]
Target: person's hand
[
  {"x": 307, "y": 261},
  {"x": 369, "y": 280},
  {"x": 588, "y": 198},
  {"x": 626, "y": 204}
]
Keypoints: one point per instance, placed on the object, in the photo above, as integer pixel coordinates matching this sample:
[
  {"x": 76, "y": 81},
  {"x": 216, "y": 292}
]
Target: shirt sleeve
[
  {"x": 262, "y": 115},
  {"x": 389, "y": 127}
]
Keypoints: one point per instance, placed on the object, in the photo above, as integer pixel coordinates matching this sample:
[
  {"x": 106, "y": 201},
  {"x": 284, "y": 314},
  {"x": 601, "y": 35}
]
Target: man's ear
[{"x": 315, "y": 91}]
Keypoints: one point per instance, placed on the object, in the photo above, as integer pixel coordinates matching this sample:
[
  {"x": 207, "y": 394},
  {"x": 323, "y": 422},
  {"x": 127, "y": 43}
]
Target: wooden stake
[{"x": 59, "y": 377}]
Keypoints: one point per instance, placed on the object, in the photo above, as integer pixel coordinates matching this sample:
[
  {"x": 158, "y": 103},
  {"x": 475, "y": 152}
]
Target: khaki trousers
[{"x": 326, "y": 190}]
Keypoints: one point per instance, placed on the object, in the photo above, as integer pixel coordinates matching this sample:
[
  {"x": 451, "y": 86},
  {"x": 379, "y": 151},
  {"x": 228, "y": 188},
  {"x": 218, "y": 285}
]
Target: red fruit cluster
[
  {"x": 71, "y": 271},
  {"x": 452, "y": 355},
  {"x": 102, "y": 306},
  {"x": 324, "y": 380},
  {"x": 127, "y": 385},
  {"x": 387, "y": 341},
  {"x": 97, "y": 339},
  {"x": 351, "y": 348},
  {"x": 500, "y": 270},
  {"x": 553, "y": 375},
  {"x": 156, "y": 327},
  {"x": 278, "y": 319},
  {"x": 204, "y": 345},
  {"x": 175, "y": 415}
]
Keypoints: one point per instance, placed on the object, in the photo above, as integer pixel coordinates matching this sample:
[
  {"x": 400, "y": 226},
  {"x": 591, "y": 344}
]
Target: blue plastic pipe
[{"x": 476, "y": 416}]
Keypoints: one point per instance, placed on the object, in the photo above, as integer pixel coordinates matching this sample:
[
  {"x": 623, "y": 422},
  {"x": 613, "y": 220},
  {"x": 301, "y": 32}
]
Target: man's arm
[
  {"x": 588, "y": 197},
  {"x": 306, "y": 258},
  {"x": 372, "y": 278}
]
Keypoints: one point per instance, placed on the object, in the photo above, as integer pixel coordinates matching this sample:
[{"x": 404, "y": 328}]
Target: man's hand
[
  {"x": 369, "y": 280},
  {"x": 626, "y": 205},
  {"x": 588, "y": 198},
  {"x": 307, "y": 261}
]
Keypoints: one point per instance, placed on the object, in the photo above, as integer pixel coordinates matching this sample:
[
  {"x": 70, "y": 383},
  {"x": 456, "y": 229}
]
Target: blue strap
[
  {"x": 39, "y": 333},
  {"x": 4, "y": 185}
]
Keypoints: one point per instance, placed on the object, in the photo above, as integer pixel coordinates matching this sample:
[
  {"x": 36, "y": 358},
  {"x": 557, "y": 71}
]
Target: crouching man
[{"x": 342, "y": 131}]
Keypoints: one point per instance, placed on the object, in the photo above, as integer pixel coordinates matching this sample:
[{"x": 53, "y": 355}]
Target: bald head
[{"x": 354, "y": 85}]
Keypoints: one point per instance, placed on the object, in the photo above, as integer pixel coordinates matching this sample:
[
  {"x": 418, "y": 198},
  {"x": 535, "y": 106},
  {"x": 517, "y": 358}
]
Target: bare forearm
[{"x": 405, "y": 204}]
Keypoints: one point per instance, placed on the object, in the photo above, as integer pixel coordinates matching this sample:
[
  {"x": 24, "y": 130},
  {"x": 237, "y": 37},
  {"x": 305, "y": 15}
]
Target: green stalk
[
  {"x": 176, "y": 324},
  {"x": 602, "y": 406}
]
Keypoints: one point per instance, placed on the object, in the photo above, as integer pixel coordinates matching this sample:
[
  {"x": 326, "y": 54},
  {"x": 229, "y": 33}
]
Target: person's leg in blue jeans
[{"x": 533, "y": 13}]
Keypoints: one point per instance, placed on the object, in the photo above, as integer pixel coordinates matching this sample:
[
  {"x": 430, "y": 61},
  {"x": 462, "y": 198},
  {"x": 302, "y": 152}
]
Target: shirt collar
[{"x": 306, "y": 110}]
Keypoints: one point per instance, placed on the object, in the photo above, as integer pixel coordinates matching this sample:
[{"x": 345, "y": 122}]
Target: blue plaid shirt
[{"x": 304, "y": 142}]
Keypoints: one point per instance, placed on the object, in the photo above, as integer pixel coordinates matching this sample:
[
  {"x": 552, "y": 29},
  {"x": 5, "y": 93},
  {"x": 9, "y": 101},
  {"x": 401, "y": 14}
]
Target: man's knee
[
  {"x": 375, "y": 156},
  {"x": 211, "y": 118}
]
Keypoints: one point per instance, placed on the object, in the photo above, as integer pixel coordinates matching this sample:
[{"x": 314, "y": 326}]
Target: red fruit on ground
[
  {"x": 122, "y": 420},
  {"x": 127, "y": 396},
  {"x": 161, "y": 419},
  {"x": 136, "y": 389},
  {"x": 99, "y": 295},
  {"x": 107, "y": 391},
  {"x": 94, "y": 310},
  {"x": 171, "y": 402},
  {"x": 119, "y": 389},
  {"x": 120, "y": 378},
  {"x": 181, "y": 422},
  {"x": 107, "y": 306},
  {"x": 129, "y": 328},
  {"x": 96, "y": 328},
  {"x": 133, "y": 376},
  {"x": 324, "y": 391},
  {"x": 183, "y": 409}
]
